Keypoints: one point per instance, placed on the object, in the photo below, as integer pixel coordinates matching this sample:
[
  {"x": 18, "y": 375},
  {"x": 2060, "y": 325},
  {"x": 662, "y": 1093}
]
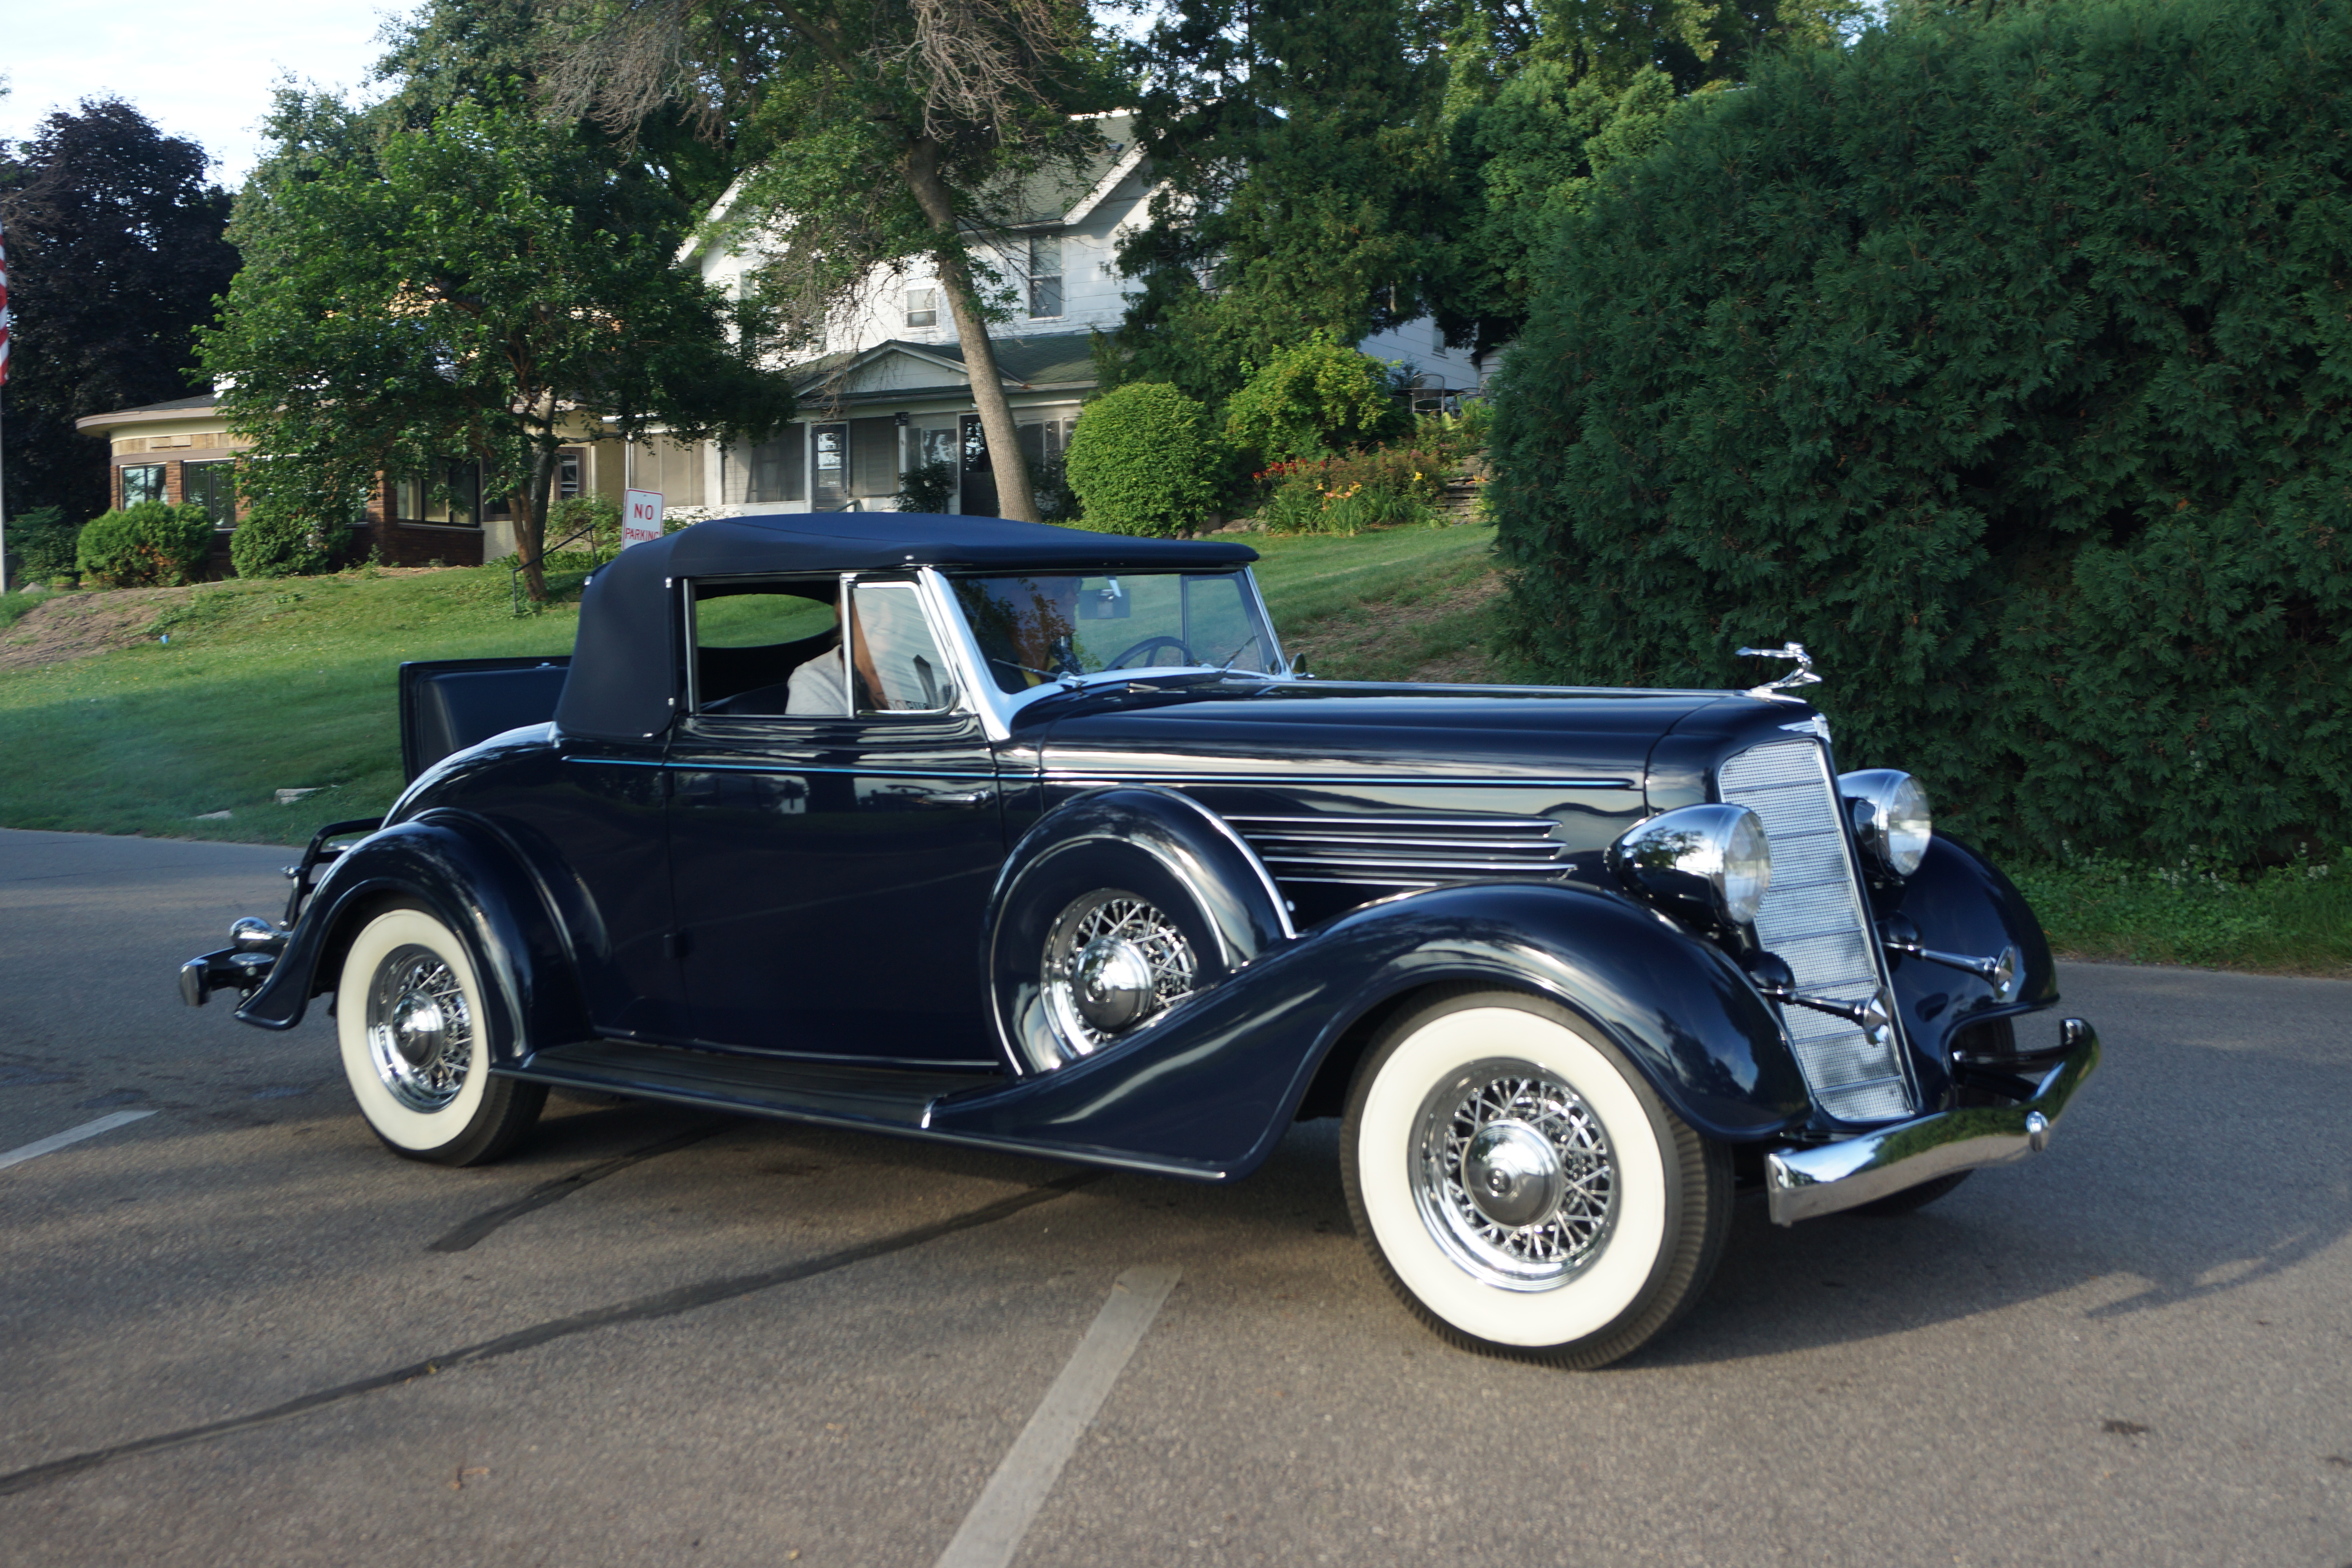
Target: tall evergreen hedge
[{"x": 2006, "y": 362}]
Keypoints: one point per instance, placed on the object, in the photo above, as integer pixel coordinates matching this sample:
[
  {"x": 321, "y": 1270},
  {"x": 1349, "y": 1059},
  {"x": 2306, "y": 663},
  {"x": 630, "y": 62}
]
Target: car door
[{"x": 832, "y": 852}]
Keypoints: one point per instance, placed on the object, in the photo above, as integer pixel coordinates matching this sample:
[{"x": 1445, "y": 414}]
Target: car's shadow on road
[{"x": 2183, "y": 1173}]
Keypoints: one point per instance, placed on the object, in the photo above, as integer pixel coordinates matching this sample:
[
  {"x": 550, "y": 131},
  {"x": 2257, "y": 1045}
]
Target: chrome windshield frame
[{"x": 997, "y": 707}]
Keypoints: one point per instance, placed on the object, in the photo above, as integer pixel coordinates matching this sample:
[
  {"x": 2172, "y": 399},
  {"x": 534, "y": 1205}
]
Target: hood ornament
[{"x": 1801, "y": 676}]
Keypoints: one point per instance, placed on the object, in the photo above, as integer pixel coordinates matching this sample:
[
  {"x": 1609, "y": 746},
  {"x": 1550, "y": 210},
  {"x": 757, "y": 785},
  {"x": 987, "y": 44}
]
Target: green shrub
[
  {"x": 271, "y": 543},
  {"x": 1384, "y": 487},
  {"x": 1310, "y": 402},
  {"x": 44, "y": 543},
  {"x": 1143, "y": 461},
  {"x": 139, "y": 546},
  {"x": 1450, "y": 438},
  {"x": 597, "y": 518},
  {"x": 2002, "y": 360}
]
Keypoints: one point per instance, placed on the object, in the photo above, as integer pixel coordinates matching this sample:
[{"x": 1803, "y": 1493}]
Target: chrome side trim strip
[
  {"x": 1804, "y": 1184},
  {"x": 1239, "y": 779}
]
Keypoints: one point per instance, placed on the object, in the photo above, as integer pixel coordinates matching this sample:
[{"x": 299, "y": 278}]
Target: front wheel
[
  {"x": 1522, "y": 1187},
  {"x": 411, "y": 1020}
]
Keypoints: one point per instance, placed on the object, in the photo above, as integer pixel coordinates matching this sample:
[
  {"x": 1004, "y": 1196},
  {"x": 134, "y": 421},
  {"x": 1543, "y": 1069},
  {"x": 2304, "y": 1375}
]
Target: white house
[{"x": 891, "y": 390}]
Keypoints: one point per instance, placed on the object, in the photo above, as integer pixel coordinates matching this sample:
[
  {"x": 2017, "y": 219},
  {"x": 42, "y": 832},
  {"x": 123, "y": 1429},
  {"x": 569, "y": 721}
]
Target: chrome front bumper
[{"x": 1804, "y": 1183}]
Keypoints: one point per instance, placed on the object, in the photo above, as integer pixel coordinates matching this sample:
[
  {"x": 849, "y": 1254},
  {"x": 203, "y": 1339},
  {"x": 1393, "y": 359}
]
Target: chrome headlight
[
  {"x": 1890, "y": 817},
  {"x": 1713, "y": 857}
]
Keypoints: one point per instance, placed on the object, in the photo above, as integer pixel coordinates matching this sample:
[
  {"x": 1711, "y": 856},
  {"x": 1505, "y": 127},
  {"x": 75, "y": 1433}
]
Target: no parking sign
[{"x": 641, "y": 517}]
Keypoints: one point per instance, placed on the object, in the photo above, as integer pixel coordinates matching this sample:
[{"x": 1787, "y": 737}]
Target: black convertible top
[{"x": 623, "y": 674}]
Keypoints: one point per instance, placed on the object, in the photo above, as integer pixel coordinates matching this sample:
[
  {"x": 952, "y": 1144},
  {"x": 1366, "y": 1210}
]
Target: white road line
[
  {"x": 990, "y": 1533},
  {"x": 57, "y": 1141}
]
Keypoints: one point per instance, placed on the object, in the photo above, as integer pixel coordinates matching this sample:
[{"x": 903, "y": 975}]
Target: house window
[
  {"x": 143, "y": 483},
  {"x": 856, "y": 465},
  {"x": 922, "y": 307},
  {"x": 567, "y": 473},
  {"x": 446, "y": 492},
  {"x": 1044, "y": 275},
  {"x": 674, "y": 468},
  {"x": 1045, "y": 439},
  {"x": 212, "y": 486},
  {"x": 778, "y": 466}
]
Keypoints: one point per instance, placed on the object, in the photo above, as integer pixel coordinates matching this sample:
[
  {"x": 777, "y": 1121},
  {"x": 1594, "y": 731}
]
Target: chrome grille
[
  {"x": 1403, "y": 851},
  {"x": 1814, "y": 917}
]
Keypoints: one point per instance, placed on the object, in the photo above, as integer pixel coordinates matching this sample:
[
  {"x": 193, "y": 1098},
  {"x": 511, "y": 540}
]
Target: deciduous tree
[
  {"x": 1303, "y": 179},
  {"x": 115, "y": 256},
  {"x": 893, "y": 131},
  {"x": 464, "y": 289}
]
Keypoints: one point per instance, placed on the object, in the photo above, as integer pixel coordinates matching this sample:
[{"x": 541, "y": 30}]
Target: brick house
[{"x": 182, "y": 452}]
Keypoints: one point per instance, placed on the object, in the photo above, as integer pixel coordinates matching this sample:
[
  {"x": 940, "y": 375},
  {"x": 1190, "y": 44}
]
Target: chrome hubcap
[
  {"x": 1113, "y": 961},
  {"x": 1513, "y": 1175},
  {"x": 1113, "y": 984},
  {"x": 420, "y": 1029}
]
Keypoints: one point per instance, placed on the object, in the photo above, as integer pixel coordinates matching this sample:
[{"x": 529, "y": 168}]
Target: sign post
[{"x": 641, "y": 517}]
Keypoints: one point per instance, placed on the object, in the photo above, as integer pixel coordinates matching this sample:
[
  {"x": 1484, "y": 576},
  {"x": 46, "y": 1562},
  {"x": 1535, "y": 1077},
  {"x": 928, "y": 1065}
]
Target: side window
[
  {"x": 894, "y": 658},
  {"x": 769, "y": 649}
]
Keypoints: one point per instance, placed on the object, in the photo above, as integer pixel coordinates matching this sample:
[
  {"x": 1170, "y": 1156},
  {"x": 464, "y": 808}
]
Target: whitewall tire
[
  {"x": 1521, "y": 1185},
  {"x": 412, "y": 1019}
]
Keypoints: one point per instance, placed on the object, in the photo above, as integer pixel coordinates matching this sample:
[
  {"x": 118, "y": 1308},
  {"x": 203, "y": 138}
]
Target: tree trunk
[
  {"x": 528, "y": 505},
  {"x": 931, "y": 192},
  {"x": 534, "y": 570}
]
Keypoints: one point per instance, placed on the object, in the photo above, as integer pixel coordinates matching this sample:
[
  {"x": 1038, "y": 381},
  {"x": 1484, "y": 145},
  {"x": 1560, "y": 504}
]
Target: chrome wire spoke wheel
[
  {"x": 1113, "y": 961},
  {"x": 413, "y": 1026},
  {"x": 420, "y": 1028},
  {"x": 1512, "y": 1173},
  {"x": 1522, "y": 1185}
]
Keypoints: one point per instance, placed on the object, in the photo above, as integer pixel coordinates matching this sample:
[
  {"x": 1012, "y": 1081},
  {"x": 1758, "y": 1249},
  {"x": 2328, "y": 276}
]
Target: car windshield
[{"x": 1035, "y": 628}]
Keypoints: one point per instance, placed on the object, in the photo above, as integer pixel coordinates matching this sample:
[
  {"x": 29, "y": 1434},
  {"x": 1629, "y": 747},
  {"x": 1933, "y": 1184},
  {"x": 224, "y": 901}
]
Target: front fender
[
  {"x": 1962, "y": 904},
  {"x": 1211, "y": 1088},
  {"x": 462, "y": 869}
]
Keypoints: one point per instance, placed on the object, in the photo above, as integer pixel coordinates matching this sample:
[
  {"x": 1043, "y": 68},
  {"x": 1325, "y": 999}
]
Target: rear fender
[
  {"x": 460, "y": 868},
  {"x": 1210, "y": 1088}
]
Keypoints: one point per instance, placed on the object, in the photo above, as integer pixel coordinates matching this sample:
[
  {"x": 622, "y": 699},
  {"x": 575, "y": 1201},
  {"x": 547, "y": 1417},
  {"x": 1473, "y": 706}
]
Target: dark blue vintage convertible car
[{"x": 1030, "y": 839}]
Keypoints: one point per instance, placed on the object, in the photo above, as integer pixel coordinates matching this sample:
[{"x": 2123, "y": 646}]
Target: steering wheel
[{"x": 1148, "y": 645}]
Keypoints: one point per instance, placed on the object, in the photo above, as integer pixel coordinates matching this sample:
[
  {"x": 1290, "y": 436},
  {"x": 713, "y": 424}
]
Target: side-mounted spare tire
[{"x": 1110, "y": 913}]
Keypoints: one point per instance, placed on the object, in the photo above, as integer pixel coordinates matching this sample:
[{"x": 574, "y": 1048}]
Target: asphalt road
[{"x": 657, "y": 1337}]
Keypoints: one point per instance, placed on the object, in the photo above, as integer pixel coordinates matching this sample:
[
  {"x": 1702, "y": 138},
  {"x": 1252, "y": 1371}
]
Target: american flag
[{"x": 4, "y": 309}]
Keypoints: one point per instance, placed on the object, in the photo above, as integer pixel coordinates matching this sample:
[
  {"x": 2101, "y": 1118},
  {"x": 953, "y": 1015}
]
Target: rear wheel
[
  {"x": 410, "y": 1018},
  {"x": 1522, "y": 1187}
]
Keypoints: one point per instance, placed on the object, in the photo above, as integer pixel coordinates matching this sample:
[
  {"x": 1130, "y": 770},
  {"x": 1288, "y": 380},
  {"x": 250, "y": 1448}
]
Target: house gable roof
[{"x": 896, "y": 368}]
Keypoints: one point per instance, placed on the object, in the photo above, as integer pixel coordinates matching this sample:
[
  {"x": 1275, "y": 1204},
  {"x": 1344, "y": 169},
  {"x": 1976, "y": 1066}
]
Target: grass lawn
[
  {"x": 263, "y": 686},
  {"x": 292, "y": 684},
  {"x": 2291, "y": 918}
]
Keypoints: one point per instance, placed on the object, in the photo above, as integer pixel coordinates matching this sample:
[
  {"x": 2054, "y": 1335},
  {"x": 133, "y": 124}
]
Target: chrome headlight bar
[
  {"x": 1709, "y": 859},
  {"x": 1890, "y": 817}
]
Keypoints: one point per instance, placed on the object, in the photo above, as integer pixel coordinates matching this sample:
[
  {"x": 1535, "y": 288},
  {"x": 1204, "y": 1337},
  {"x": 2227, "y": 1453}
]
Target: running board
[{"x": 885, "y": 1099}]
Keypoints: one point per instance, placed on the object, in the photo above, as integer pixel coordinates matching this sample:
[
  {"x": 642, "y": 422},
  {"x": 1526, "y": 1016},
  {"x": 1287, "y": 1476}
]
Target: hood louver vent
[{"x": 1403, "y": 851}]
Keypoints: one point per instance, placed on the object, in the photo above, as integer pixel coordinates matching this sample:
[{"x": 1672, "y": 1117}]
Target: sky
[{"x": 203, "y": 73}]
